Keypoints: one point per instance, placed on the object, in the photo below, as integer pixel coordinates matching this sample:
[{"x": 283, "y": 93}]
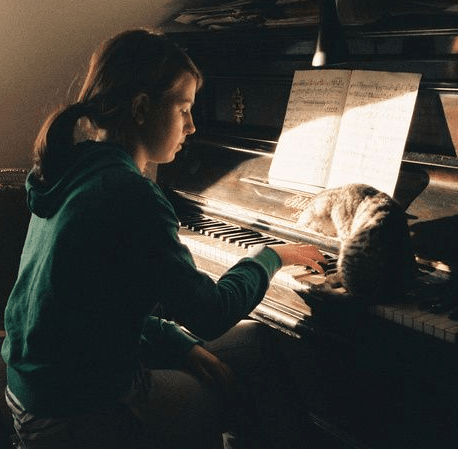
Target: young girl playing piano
[{"x": 91, "y": 361}]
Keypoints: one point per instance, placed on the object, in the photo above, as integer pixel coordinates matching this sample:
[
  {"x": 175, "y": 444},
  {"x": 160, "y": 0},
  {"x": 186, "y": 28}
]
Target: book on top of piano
[{"x": 344, "y": 126}]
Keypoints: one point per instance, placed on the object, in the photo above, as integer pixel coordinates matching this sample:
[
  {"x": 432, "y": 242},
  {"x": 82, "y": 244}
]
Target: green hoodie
[{"x": 102, "y": 257}]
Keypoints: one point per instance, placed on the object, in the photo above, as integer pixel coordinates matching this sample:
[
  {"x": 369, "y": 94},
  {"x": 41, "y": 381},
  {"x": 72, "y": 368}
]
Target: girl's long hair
[{"x": 125, "y": 65}]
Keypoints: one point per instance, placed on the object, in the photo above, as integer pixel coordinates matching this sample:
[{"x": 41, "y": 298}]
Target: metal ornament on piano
[{"x": 237, "y": 106}]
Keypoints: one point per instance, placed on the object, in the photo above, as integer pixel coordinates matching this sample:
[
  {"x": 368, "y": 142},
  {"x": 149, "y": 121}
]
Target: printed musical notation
[{"x": 344, "y": 126}]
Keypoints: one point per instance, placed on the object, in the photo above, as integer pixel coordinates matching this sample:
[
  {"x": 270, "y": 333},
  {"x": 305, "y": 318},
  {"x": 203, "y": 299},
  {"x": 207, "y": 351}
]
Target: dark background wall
[{"x": 43, "y": 46}]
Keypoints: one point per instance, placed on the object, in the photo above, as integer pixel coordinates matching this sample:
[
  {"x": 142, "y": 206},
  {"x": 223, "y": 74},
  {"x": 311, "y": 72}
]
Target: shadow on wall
[{"x": 45, "y": 46}]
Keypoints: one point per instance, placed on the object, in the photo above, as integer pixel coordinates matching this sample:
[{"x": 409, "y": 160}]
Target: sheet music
[
  {"x": 306, "y": 145},
  {"x": 374, "y": 129},
  {"x": 344, "y": 126}
]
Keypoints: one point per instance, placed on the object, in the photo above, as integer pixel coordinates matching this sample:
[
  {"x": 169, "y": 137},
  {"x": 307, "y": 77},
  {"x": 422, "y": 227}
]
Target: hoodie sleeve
[
  {"x": 163, "y": 267},
  {"x": 163, "y": 343}
]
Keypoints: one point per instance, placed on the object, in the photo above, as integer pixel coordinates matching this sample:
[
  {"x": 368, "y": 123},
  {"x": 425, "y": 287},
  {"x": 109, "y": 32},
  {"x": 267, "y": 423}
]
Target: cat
[{"x": 376, "y": 258}]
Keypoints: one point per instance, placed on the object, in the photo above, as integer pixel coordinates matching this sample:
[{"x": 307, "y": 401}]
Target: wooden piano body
[{"x": 377, "y": 376}]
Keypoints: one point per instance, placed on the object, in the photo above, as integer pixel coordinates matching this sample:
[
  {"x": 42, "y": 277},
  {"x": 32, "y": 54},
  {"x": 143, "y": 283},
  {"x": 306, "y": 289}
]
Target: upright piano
[{"x": 381, "y": 375}]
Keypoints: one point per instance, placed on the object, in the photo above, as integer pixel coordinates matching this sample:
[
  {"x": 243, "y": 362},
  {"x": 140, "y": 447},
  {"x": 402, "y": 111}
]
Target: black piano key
[
  {"x": 209, "y": 227},
  {"x": 274, "y": 241},
  {"x": 192, "y": 219},
  {"x": 217, "y": 229},
  {"x": 329, "y": 265},
  {"x": 242, "y": 236},
  {"x": 258, "y": 241},
  {"x": 202, "y": 226},
  {"x": 235, "y": 233},
  {"x": 331, "y": 261},
  {"x": 222, "y": 232},
  {"x": 191, "y": 224},
  {"x": 249, "y": 238},
  {"x": 204, "y": 221}
]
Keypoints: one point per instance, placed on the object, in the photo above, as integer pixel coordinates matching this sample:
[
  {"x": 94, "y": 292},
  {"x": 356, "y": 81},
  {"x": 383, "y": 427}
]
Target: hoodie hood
[{"x": 44, "y": 201}]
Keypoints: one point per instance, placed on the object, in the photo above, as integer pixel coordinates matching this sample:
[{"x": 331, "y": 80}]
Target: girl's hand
[
  {"x": 207, "y": 367},
  {"x": 300, "y": 254}
]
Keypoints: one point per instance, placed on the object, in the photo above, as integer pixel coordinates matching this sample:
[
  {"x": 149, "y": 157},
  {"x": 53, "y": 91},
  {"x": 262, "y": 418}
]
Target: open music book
[{"x": 344, "y": 126}]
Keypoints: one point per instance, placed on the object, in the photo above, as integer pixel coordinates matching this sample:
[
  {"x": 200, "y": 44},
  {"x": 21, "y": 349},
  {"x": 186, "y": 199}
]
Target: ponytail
[{"x": 54, "y": 145}]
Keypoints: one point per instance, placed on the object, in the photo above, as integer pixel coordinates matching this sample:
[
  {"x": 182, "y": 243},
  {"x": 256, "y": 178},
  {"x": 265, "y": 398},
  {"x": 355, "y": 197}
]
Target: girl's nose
[{"x": 189, "y": 126}]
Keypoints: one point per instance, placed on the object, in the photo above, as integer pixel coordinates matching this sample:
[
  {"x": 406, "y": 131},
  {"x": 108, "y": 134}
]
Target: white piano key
[
  {"x": 402, "y": 313},
  {"x": 446, "y": 329},
  {"x": 430, "y": 323},
  {"x": 451, "y": 333},
  {"x": 413, "y": 317},
  {"x": 383, "y": 310}
]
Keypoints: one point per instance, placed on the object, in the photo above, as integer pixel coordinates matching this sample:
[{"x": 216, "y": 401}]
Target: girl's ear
[{"x": 140, "y": 108}]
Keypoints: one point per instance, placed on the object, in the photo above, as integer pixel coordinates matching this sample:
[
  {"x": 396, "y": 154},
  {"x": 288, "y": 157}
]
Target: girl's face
[{"x": 163, "y": 127}]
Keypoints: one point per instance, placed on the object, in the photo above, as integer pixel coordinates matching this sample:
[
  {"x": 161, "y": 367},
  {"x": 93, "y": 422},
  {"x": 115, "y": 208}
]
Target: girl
[{"x": 90, "y": 361}]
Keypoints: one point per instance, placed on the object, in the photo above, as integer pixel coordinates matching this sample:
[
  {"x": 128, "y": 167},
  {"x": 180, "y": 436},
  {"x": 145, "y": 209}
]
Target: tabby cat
[{"x": 376, "y": 258}]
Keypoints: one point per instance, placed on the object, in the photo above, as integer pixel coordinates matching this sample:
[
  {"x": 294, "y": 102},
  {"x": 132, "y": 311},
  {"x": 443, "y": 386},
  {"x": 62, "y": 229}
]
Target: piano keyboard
[
  {"x": 226, "y": 243},
  {"x": 422, "y": 316}
]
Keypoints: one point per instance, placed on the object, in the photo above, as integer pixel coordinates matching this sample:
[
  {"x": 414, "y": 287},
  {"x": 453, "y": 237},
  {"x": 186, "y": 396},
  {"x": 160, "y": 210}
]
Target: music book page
[
  {"x": 344, "y": 126},
  {"x": 306, "y": 145}
]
